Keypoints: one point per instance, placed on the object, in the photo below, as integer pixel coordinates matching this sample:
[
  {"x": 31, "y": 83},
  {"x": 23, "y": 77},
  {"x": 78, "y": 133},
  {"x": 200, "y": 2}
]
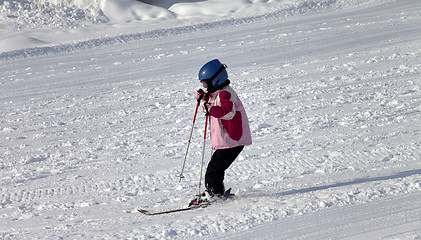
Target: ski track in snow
[{"x": 333, "y": 99}]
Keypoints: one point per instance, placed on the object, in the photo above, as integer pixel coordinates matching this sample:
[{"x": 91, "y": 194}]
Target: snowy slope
[
  {"x": 92, "y": 130},
  {"x": 25, "y": 23},
  {"x": 389, "y": 218}
]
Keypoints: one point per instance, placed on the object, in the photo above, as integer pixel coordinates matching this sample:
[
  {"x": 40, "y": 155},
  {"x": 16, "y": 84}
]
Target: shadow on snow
[{"x": 349, "y": 183}]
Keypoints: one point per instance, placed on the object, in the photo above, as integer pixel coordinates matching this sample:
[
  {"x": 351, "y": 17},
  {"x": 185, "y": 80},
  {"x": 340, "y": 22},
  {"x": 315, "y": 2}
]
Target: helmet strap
[
  {"x": 211, "y": 88},
  {"x": 223, "y": 66}
]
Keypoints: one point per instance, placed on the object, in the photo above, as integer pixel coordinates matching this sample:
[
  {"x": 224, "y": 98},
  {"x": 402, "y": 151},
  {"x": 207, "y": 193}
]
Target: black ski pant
[{"x": 215, "y": 173}]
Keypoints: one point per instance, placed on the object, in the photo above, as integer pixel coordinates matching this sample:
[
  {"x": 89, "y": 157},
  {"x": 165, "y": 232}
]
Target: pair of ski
[{"x": 227, "y": 195}]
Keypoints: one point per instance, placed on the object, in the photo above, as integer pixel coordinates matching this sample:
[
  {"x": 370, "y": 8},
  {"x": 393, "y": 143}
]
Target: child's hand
[
  {"x": 199, "y": 95},
  {"x": 207, "y": 107}
]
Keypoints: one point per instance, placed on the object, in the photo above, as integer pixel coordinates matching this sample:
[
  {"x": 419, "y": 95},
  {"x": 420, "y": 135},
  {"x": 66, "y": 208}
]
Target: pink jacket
[{"x": 228, "y": 120}]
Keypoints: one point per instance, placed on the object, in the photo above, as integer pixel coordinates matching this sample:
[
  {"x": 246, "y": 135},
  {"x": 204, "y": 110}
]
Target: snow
[
  {"x": 26, "y": 24},
  {"x": 98, "y": 97}
]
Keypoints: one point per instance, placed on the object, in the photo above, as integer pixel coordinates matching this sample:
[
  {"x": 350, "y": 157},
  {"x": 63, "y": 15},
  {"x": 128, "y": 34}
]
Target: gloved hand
[
  {"x": 207, "y": 107},
  {"x": 200, "y": 94}
]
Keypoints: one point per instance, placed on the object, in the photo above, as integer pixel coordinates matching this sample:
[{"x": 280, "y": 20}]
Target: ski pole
[
  {"x": 203, "y": 154},
  {"x": 188, "y": 144}
]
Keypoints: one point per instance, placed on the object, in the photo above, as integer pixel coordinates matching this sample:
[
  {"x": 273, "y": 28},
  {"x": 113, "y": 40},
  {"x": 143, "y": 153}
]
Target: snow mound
[
  {"x": 130, "y": 10},
  {"x": 26, "y": 14}
]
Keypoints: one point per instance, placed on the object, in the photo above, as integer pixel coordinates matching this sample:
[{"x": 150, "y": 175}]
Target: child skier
[{"x": 229, "y": 126}]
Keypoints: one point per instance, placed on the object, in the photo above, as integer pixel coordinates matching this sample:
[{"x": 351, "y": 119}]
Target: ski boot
[{"x": 201, "y": 200}]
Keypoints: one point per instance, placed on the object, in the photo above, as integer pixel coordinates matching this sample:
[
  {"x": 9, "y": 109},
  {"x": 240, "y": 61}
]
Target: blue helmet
[{"x": 214, "y": 72}]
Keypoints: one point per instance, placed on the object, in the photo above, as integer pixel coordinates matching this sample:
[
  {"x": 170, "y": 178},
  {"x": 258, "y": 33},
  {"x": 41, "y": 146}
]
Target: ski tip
[
  {"x": 227, "y": 192},
  {"x": 143, "y": 211}
]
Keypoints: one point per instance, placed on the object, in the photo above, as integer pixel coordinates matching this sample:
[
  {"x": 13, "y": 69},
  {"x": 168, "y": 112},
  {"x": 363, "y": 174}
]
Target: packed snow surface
[{"x": 97, "y": 102}]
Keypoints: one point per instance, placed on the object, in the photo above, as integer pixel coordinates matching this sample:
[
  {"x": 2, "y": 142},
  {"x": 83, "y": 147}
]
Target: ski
[
  {"x": 150, "y": 213},
  {"x": 227, "y": 195}
]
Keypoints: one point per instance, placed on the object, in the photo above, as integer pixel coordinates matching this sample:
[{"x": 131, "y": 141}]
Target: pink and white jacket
[{"x": 228, "y": 120}]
